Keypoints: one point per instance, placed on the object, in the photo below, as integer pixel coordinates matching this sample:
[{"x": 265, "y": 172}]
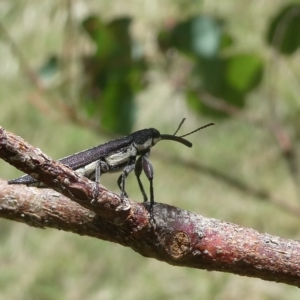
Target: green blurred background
[{"x": 75, "y": 74}]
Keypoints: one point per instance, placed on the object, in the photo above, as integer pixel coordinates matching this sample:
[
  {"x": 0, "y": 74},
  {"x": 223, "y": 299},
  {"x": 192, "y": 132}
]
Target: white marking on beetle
[
  {"x": 145, "y": 146},
  {"x": 88, "y": 169},
  {"x": 120, "y": 157}
]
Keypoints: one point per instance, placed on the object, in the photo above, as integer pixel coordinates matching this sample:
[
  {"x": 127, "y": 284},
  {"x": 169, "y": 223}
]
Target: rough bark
[{"x": 177, "y": 237}]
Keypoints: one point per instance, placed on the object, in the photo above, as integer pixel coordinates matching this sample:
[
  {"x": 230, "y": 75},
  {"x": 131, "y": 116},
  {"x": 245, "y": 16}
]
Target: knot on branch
[{"x": 178, "y": 243}]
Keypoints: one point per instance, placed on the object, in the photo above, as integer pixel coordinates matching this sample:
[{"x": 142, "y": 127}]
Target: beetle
[{"x": 119, "y": 155}]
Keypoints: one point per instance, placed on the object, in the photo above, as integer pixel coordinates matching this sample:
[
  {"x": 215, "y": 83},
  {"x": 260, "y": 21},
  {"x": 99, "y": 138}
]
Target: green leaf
[
  {"x": 118, "y": 108},
  {"x": 114, "y": 73},
  {"x": 284, "y": 30},
  {"x": 101, "y": 36},
  {"x": 212, "y": 73},
  {"x": 224, "y": 79},
  {"x": 226, "y": 41},
  {"x": 243, "y": 72},
  {"x": 200, "y": 36}
]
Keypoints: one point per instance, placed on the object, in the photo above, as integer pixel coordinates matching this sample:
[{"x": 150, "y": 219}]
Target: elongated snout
[{"x": 176, "y": 139}]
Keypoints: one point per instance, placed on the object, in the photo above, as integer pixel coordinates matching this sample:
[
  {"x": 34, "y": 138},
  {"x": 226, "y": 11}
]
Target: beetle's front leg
[
  {"x": 138, "y": 171},
  {"x": 144, "y": 163},
  {"x": 121, "y": 180},
  {"x": 148, "y": 169}
]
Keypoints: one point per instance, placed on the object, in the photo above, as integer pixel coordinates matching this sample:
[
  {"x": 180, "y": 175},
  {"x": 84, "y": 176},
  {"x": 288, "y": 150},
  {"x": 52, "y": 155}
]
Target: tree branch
[{"x": 177, "y": 237}]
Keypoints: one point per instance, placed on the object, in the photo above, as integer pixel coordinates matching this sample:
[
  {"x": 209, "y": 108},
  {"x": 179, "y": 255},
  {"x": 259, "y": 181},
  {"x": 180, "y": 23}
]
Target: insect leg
[
  {"x": 121, "y": 180},
  {"x": 101, "y": 166},
  {"x": 138, "y": 171},
  {"x": 148, "y": 169},
  {"x": 143, "y": 163}
]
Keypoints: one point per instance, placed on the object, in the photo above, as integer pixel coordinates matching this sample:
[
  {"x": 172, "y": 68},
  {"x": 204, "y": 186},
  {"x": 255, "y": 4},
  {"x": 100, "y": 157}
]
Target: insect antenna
[
  {"x": 202, "y": 127},
  {"x": 179, "y": 126},
  {"x": 180, "y": 139}
]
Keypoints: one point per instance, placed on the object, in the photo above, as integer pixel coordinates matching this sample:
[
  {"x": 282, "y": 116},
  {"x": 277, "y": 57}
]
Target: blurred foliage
[
  {"x": 283, "y": 32},
  {"x": 49, "y": 69},
  {"x": 225, "y": 76},
  {"x": 198, "y": 36},
  {"x": 114, "y": 73}
]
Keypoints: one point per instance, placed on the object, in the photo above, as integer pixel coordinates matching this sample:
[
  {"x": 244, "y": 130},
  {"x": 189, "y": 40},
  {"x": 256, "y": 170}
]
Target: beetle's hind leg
[{"x": 100, "y": 167}]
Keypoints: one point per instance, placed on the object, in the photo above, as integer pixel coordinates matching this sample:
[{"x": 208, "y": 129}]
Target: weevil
[{"x": 119, "y": 155}]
